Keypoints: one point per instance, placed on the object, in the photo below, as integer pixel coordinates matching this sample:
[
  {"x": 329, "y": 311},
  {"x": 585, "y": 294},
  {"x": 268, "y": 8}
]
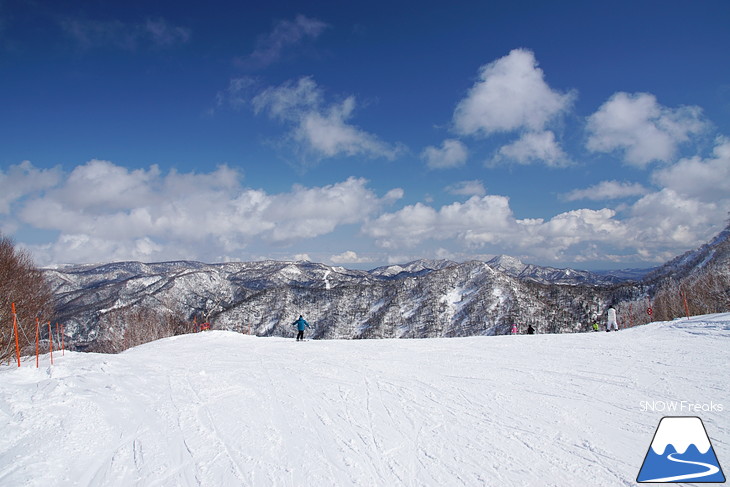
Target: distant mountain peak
[{"x": 507, "y": 262}]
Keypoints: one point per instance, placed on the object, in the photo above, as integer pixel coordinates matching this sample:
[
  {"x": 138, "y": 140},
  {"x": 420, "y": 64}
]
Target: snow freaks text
[{"x": 680, "y": 407}]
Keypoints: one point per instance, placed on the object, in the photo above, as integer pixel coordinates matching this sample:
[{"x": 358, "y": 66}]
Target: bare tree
[
  {"x": 125, "y": 328},
  {"x": 706, "y": 292},
  {"x": 23, "y": 284}
]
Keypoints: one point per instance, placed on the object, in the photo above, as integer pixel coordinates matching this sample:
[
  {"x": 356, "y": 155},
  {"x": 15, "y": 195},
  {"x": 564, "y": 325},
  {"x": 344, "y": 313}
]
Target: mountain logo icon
[{"x": 680, "y": 452}]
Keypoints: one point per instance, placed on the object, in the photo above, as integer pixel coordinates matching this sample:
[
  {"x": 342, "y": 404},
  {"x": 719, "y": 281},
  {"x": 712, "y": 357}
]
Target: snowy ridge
[
  {"x": 221, "y": 408},
  {"x": 714, "y": 255},
  {"x": 550, "y": 275}
]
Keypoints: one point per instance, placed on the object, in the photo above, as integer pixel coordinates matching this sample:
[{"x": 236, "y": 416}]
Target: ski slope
[{"x": 224, "y": 409}]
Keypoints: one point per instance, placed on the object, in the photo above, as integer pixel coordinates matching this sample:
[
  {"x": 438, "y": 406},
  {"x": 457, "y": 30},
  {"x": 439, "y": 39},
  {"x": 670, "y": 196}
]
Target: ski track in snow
[{"x": 219, "y": 408}]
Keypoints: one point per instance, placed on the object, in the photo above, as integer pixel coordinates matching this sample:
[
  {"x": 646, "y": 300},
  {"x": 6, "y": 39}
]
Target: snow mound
[{"x": 220, "y": 408}]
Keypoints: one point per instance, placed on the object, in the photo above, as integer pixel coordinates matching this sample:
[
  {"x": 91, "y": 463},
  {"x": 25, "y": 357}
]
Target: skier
[
  {"x": 530, "y": 330},
  {"x": 595, "y": 326},
  {"x": 611, "y": 323},
  {"x": 301, "y": 324},
  {"x": 514, "y": 329}
]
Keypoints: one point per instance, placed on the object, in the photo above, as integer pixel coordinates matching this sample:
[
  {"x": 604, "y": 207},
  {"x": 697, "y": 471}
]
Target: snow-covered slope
[
  {"x": 415, "y": 268},
  {"x": 220, "y": 408},
  {"x": 714, "y": 255}
]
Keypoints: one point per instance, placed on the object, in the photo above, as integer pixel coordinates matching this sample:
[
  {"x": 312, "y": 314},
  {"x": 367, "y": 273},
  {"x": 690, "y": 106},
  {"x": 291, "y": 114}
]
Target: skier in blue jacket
[{"x": 301, "y": 325}]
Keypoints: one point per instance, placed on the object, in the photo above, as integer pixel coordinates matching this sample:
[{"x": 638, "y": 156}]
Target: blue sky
[{"x": 571, "y": 134}]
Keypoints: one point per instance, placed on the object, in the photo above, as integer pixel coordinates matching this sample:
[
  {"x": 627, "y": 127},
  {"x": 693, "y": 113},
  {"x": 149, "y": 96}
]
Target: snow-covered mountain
[
  {"x": 423, "y": 298},
  {"x": 419, "y": 299},
  {"x": 550, "y": 275},
  {"x": 415, "y": 268},
  {"x": 713, "y": 256}
]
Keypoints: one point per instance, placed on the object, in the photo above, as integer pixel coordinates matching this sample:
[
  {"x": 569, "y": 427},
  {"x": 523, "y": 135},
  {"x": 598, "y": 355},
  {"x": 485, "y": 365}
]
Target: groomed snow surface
[{"x": 224, "y": 409}]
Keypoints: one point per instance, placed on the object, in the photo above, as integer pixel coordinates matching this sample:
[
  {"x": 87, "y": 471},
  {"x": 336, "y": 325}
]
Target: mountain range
[{"x": 424, "y": 298}]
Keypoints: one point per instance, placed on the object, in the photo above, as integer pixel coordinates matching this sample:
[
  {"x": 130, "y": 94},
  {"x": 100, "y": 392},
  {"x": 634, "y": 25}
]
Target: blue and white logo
[{"x": 681, "y": 452}]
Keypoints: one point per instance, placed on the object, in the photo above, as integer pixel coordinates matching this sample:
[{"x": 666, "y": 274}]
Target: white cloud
[
  {"x": 478, "y": 220},
  {"x": 237, "y": 94},
  {"x": 511, "y": 94},
  {"x": 311, "y": 212},
  {"x": 703, "y": 179},
  {"x": 329, "y": 134},
  {"x": 349, "y": 257},
  {"x": 657, "y": 227},
  {"x": 644, "y": 130},
  {"x": 393, "y": 195},
  {"x": 664, "y": 222},
  {"x": 284, "y": 35},
  {"x": 23, "y": 180},
  {"x": 290, "y": 100},
  {"x": 320, "y": 129},
  {"x": 577, "y": 226},
  {"x": 531, "y": 147},
  {"x": 304, "y": 257},
  {"x": 102, "y": 211},
  {"x": 607, "y": 190},
  {"x": 452, "y": 153},
  {"x": 85, "y": 248},
  {"x": 467, "y": 188}
]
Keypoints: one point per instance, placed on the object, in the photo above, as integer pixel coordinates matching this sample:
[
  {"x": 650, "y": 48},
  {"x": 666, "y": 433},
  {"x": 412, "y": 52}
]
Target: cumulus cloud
[
  {"x": 576, "y": 226},
  {"x": 22, "y": 180},
  {"x": 641, "y": 128},
  {"x": 607, "y": 190},
  {"x": 703, "y": 179},
  {"x": 657, "y": 227},
  {"x": 452, "y": 153},
  {"x": 478, "y": 220},
  {"x": 103, "y": 211},
  {"x": 321, "y": 129},
  {"x": 349, "y": 257},
  {"x": 284, "y": 35},
  {"x": 511, "y": 94},
  {"x": 533, "y": 147},
  {"x": 310, "y": 212},
  {"x": 665, "y": 221}
]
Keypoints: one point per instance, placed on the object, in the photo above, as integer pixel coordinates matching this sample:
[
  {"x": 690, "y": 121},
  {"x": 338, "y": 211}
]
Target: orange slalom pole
[
  {"x": 50, "y": 341},
  {"x": 63, "y": 342},
  {"x": 37, "y": 339},
  {"x": 15, "y": 330}
]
